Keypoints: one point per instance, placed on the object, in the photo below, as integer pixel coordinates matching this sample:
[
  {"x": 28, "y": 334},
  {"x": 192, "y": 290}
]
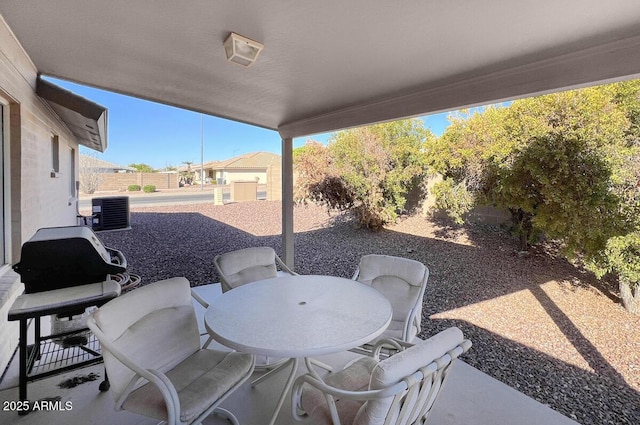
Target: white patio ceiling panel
[{"x": 330, "y": 64}]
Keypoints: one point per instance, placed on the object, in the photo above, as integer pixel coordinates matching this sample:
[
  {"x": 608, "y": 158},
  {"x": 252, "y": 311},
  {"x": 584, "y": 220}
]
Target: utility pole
[{"x": 201, "y": 152}]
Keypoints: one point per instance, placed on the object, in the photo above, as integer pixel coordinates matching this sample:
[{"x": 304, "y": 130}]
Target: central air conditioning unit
[{"x": 110, "y": 213}]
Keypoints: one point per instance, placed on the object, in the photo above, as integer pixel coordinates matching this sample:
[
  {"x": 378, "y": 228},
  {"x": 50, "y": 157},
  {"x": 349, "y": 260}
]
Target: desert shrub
[
  {"x": 556, "y": 162},
  {"x": 368, "y": 171},
  {"x": 149, "y": 188},
  {"x": 89, "y": 174},
  {"x": 134, "y": 188},
  {"x": 622, "y": 258},
  {"x": 454, "y": 198}
]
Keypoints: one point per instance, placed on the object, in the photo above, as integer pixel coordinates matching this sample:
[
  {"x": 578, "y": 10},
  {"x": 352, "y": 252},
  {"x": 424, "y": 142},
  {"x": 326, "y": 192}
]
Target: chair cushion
[
  {"x": 199, "y": 380},
  {"x": 154, "y": 326},
  {"x": 115, "y": 317},
  {"x": 401, "y": 281},
  {"x": 252, "y": 274},
  {"x": 372, "y": 266},
  {"x": 402, "y": 296},
  {"x": 354, "y": 378},
  {"x": 248, "y": 265},
  {"x": 393, "y": 369},
  {"x": 396, "y": 367}
]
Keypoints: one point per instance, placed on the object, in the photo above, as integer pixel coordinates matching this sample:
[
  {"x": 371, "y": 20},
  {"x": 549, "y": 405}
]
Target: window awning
[{"x": 87, "y": 120}]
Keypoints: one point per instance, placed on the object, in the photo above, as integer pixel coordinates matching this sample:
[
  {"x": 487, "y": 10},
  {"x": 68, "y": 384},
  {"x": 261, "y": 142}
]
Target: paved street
[{"x": 166, "y": 197}]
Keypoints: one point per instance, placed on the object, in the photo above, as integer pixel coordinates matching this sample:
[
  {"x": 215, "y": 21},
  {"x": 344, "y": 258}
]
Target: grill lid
[{"x": 59, "y": 257}]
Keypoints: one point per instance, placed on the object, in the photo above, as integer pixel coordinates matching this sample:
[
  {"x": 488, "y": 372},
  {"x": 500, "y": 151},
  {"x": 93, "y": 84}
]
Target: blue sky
[{"x": 159, "y": 135}]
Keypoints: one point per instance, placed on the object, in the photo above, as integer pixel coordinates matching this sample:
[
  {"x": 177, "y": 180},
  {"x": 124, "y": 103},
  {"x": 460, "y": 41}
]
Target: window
[{"x": 55, "y": 155}]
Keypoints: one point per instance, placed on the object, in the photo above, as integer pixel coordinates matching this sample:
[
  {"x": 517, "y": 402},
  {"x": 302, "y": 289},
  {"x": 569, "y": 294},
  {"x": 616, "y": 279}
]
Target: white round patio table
[{"x": 298, "y": 317}]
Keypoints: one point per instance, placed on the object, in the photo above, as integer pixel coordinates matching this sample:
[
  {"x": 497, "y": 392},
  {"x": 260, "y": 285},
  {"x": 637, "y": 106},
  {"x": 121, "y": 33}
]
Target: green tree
[
  {"x": 622, "y": 254},
  {"x": 627, "y": 95},
  {"x": 556, "y": 162},
  {"x": 465, "y": 155},
  {"x": 621, "y": 257},
  {"x": 565, "y": 165},
  {"x": 142, "y": 168},
  {"x": 312, "y": 164},
  {"x": 370, "y": 171}
]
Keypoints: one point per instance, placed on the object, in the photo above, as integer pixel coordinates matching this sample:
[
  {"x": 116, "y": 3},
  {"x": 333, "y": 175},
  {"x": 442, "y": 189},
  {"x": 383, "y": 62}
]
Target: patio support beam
[{"x": 287, "y": 201}]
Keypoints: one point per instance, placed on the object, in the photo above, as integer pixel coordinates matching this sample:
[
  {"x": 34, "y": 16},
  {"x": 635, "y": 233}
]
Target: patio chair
[
  {"x": 152, "y": 354},
  {"x": 403, "y": 282},
  {"x": 401, "y": 389},
  {"x": 247, "y": 265},
  {"x": 243, "y": 266},
  {"x": 237, "y": 268}
]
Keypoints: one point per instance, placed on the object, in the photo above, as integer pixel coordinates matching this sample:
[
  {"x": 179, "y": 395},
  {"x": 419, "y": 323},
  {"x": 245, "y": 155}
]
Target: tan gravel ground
[{"x": 537, "y": 323}]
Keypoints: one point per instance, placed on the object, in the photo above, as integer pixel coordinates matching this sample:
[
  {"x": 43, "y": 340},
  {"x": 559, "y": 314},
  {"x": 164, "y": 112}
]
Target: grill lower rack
[
  {"x": 62, "y": 352},
  {"x": 67, "y": 347}
]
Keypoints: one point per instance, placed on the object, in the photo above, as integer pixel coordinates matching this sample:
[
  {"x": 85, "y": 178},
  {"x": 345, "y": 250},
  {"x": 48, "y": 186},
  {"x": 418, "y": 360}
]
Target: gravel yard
[{"x": 537, "y": 323}]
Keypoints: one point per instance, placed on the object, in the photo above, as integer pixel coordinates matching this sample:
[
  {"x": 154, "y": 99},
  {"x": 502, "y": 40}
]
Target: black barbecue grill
[
  {"x": 65, "y": 270},
  {"x": 60, "y": 257}
]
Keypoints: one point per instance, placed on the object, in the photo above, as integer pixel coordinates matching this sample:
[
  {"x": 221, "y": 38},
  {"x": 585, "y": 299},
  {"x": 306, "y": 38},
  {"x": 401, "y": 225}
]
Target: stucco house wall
[
  {"x": 265, "y": 167},
  {"x": 35, "y": 197},
  {"x": 245, "y": 175}
]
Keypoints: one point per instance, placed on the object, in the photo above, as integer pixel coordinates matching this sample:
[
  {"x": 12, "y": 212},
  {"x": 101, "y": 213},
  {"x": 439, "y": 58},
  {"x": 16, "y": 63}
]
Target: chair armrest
[
  {"x": 355, "y": 274},
  {"x": 199, "y": 299},
  {"x": 284, "y": 267},
  {"x": 169, "y": 394},
  {"x": 390, "y": 344},
  {"x": 353, "y": 395},
  {"x": 411, "y": 319},
  {"x": 415, "y": 313}
]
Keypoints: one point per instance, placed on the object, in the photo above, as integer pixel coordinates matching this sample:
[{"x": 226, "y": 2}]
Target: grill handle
[{"x": 114, "y": 253}]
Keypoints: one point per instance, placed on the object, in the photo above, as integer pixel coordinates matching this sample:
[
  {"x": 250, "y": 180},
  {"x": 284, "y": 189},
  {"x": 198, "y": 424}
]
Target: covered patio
[
  {"x": 327, "y": 66},
  {"x": 330, "y": 65}
]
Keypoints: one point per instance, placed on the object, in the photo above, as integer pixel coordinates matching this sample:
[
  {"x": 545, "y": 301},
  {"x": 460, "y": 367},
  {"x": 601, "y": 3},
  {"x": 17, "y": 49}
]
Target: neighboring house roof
[
  {"x": 250, "y": 160},
  {"x": 253, "y": 160},
  {"x": 97, "y": 163}
]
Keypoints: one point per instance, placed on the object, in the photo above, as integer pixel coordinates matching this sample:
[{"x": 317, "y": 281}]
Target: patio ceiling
[{"x": 330, "y": 64}]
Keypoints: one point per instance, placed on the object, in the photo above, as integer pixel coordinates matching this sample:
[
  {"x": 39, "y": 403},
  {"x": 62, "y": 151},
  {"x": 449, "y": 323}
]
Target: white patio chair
[
  {"x": 403, "y": 282},
  {"x": 399, "y": 390},
  {"x": 248, "y": 265},
  {"x": 152, "y": 355},
  {"x": 243, "y": 266}
]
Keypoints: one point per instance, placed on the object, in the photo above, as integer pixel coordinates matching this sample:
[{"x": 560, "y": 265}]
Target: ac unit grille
[{"x": 110, "y": 213}]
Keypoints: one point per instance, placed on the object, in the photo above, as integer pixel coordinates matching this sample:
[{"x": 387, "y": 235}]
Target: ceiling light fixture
[{"x": 241, "y": 50}]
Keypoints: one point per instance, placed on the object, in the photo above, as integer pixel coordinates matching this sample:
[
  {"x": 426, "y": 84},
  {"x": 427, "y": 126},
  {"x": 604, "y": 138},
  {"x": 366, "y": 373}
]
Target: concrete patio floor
[{"x": 469, "y": 397}]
